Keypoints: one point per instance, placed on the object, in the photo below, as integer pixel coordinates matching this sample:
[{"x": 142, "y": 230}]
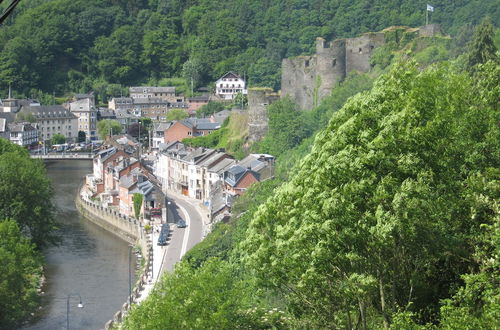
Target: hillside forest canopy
[{"x": 62, "y": 46}]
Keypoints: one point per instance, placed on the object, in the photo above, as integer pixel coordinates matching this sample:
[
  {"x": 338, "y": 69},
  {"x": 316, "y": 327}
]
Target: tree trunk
[
  {"x": 382, "y": 301},
  {"x": 362, "y": 313}
]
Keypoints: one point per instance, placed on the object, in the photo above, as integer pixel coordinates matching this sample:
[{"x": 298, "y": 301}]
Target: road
[{"x": 181, "y": 239}]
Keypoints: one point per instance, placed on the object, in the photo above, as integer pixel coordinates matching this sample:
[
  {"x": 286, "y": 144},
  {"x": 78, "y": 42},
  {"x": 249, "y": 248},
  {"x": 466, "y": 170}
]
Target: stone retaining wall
[{"x": 130, "y": 230}]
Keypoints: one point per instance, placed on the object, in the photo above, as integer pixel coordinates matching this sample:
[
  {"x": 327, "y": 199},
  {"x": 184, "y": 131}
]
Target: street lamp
[
  {"x": 129, "y": 275},
  {"x": 80, "y": 305}
]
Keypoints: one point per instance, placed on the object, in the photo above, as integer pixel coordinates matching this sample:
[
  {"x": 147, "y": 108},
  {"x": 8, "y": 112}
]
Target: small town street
[{"x": 180, "y": 241}]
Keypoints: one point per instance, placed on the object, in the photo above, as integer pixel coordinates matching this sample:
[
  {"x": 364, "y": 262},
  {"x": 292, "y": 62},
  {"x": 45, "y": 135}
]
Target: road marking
[{"x": 186, "y": 233}]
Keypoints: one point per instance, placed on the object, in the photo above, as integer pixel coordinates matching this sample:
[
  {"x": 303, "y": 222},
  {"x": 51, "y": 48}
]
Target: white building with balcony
[{"x": 230, "y": 85}]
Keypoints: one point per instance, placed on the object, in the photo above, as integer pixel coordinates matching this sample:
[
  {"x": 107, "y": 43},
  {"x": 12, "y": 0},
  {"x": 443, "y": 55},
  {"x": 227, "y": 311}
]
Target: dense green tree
[
  {"x": 482, "y": 48},
  {"x": 57, "y": 139},
  {"x": 81, "y": 136},
  {"x": 208, "y": 109},
  {"x": 378, "y": 207},
  {"x": 108, "y": 126},
  {"x": 137, "y": 199},
  {"x": 26, "y": 193},
  {"x": 286, "y": 127},
  {"x": 20, "y": 274},
  {"x": 177, "y": 114},
  {"x": 61, "y": 44}
]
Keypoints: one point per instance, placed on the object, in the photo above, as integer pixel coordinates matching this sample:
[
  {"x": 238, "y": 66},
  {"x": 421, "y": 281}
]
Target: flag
[{"x": 430, "y": 8}]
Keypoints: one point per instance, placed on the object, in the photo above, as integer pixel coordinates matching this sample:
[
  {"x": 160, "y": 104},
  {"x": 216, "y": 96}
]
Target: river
[{"x": 89, "y": 261}]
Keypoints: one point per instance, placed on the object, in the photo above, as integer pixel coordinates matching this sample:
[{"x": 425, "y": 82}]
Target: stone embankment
[{"x": 129, "y": 229}]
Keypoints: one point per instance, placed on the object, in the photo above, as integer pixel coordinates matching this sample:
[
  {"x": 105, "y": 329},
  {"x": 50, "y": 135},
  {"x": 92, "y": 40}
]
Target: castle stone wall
[
  {"x": 258, "y": 100},
  {"x": 309, "y": 79}
]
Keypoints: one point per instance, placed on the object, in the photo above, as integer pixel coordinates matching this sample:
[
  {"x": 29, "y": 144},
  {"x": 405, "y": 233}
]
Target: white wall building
[
  {"x": 86, "y": 112},
  {"x": 51, "y": 120},
  {"x": 230, "y": 85},
  {"x": 23, "y": 134},
  {"x": 164, "y": 93}
]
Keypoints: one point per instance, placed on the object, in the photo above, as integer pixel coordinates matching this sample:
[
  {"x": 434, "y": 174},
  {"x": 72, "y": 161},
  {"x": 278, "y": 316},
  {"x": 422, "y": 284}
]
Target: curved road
[{"x": 181, "y": 239}]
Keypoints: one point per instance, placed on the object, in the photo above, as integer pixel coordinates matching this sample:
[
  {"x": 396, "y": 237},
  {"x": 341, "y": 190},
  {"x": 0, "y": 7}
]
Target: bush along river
[{"x": 89, "y": 262}]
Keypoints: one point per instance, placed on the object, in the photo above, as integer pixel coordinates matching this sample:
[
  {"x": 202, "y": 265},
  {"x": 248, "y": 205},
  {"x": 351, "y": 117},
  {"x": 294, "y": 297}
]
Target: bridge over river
[{"x": 65, "y": 156}]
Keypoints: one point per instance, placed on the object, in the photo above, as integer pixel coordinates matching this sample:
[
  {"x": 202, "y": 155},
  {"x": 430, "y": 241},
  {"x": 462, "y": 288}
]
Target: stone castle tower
[
  {"x": 258, "y": 100},
  {"x": 308, "y": 79}
]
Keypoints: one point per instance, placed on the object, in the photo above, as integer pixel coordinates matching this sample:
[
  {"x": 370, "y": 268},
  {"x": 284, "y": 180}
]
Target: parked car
[
  {"x": 164, "y": 232},
  {"x": 181, "y": 224}
]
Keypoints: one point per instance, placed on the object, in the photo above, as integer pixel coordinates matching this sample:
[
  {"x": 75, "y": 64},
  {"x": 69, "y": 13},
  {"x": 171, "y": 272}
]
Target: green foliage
[
  {"x": 26, "y": 193},
  {"x": 437, "y": 51},
  {"x": 108, "y": 126},
  {"x": 376, "y": 218},
  {"x": 230, "y": 136},
  {"x": 211, "y": 140},
  {"x": 19, "y": 276},
  {"x": 177, "y": 114},
  {"x": 77, "y": 45},
  {"x": 286, "y": 128},
  {"x": 137, "y": 199},
  {"x": 209, "y": 297},
  {"x": 57, "y": 139},
  {"x": 240, "y": 101},
  {"x": 482, "y": 48},
  {"x": 208, "y": 109},
  {"x": 22, "y": 116}
]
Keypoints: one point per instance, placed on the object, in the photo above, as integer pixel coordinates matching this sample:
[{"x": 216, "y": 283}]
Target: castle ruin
[
  {"x": 308, "y": 79},
  {"x": 258, "y": 100}
]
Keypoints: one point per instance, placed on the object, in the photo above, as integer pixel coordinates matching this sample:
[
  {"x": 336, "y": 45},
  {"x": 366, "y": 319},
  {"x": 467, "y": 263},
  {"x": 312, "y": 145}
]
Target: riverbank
[
  {"x": 88, "y": 260},
  {"x": 128, "y": 229}
]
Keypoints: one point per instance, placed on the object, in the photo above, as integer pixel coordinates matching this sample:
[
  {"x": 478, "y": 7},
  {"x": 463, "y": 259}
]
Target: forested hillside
[
  {"x": 78, "y": 45},
  {"x": 391, "y": 220}
]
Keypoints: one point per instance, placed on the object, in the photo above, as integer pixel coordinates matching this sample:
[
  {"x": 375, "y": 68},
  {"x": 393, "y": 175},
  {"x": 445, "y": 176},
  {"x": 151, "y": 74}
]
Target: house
[
  {"x": 263, "y": 164},
  {"x": 125, "y": 119},
  {"x": 85, "y": 110},
  {"x": 137, "y": 181},
  {"x": 213, "y": 170},
  {"x": 204, "y": 128},
  {"x": 159, "y": 133},
  {"x": 230, "y": 85},
  {"x": 179, "y": 130},
  {"x": 23, "y": 134},
  {"x": 105, "y": 113},
  {"x": 51, "y": 120},
  {"x": 237, "y": 179},
  {"x": 90, "y": 95},
  {"x": 164, "y": 93},
  {"x": 189, "y": 127},
  {"x": 152, "y": 107},
  {"x": 195, "y": 171},
  {"x": 163, "y": 168},
  {"x": 121, "y": 104},
  {"x": 196, "y": 102}
]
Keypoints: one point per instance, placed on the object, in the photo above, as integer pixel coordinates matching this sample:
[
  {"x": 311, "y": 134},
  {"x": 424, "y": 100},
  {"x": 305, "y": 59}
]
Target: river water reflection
[{"x": 89, "y": 261}]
